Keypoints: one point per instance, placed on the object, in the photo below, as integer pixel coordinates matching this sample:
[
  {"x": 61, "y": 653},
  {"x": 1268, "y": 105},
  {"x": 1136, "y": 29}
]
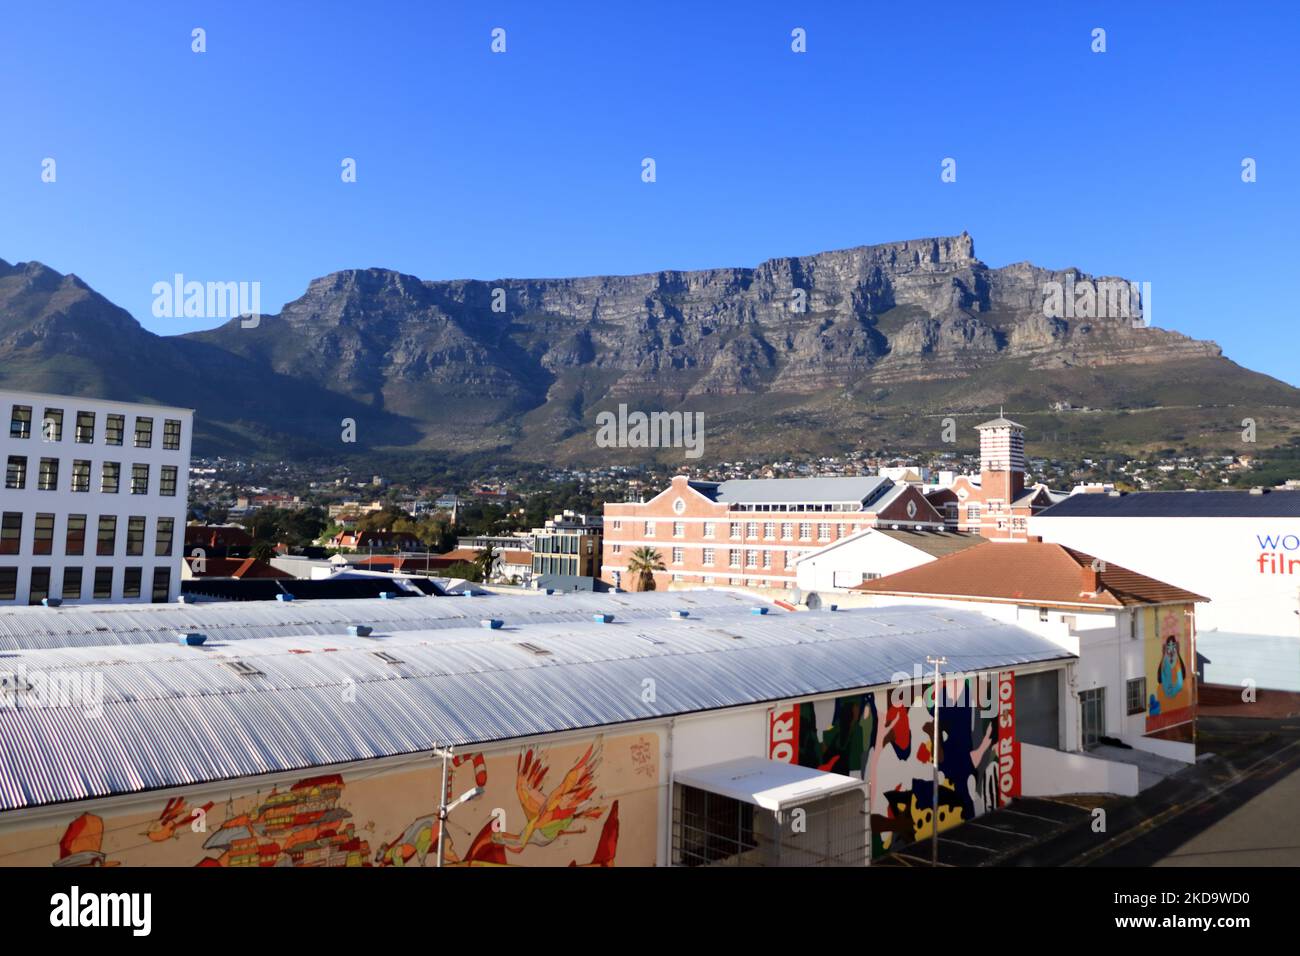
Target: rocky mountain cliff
[{"x": 892, "y": 331}]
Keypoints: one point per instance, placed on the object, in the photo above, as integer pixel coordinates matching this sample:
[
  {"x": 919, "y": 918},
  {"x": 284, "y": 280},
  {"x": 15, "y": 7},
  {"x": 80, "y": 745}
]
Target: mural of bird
[{"x": 551, "y": 815}]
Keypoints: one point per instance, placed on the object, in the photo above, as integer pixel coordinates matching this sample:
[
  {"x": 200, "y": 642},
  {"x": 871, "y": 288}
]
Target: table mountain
[{"x": 797, "y": 354}]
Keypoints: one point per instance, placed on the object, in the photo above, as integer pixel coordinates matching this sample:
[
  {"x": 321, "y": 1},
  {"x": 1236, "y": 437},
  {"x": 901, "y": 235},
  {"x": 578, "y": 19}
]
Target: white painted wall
[
  {"x": 729, "y": 735},
  {"x": 859, "y": 554},
  {"x": 1216, "y": 557},
  {"x": 1046, "y": 773},
  {"x": 63, "y": 501}
]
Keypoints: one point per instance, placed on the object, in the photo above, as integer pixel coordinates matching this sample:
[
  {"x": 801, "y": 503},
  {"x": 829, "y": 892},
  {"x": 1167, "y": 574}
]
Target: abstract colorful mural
[
  {"x": 593, "y": 803},
  {"x": 887, "y": 739},
  {"x": 1170, "y": 674}
]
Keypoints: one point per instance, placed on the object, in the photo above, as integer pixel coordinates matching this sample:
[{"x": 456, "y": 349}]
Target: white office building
[
  {"x": 1241, "y": 549},
  {"x": 94, "y": 499}
]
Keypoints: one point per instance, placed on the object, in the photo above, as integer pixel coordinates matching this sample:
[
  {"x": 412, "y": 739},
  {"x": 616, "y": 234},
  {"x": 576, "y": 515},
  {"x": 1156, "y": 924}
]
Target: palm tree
[
  {"x": 485, "y": 560},
  {"x": 643, "y": 564},
  {"x": 262, "y": 550}
]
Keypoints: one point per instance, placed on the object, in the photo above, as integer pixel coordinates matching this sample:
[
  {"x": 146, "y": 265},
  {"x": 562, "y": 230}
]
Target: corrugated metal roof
[
  {"x": 172, "y": 715},
  {"x": 89, "y": 625},
  {"x": 1178, "y": 504},
  {"x": 799, "y": 490}
]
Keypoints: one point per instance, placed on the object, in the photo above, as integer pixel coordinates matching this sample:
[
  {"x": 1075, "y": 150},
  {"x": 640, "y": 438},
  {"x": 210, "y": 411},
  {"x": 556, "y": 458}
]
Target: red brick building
[
  {"x": 998, "y": 504},
  {"x": 748, "y": 533}
]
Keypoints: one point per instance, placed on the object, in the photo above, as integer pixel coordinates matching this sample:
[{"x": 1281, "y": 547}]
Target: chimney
[{"x": 1091, "y": 579}]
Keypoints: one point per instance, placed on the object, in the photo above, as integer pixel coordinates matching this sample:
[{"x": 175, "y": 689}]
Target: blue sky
[{"x": 226, "y": 165}]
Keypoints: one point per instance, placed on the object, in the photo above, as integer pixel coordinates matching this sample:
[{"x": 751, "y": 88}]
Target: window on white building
[
  {"x": 11, "y": 531},
  {"x": 20, "y": 422},
  {"x": 16, "y": 473},
  {"x": 43, "y": 537},
  {"x": 106, "y": 543},
  {"x": 144, "y": 433},
  {"x": 81, "y": 475},
  {"x": 1135, "y": 692},
  {"x": 85, "y": 434},
  {"x": 52, "y": 425},
  {"x": 49, "y": 475}
]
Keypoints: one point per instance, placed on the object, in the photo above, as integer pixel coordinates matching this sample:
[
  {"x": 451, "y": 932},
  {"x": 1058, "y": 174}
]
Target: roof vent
[
  {"x": 1257, "y": 490},
  {"x": 284, "y": 597},
  {"x": 387, "y": 595},
  {"x": 388, "y": 658},
  {"x": 468, "y": 592},
  {"x": 491, "y": 622},
  {"x": 359, "y": 630},
  {"x": 51, "y": 602},
  {"x": 183, "y": 599},
  {"x": 190, "y": 638},
  {"x": 679, "y": 615},
  {"x": 243, "y": 668},
  {"x": 534, "y": 649},
  {"x": 758, "y": 610},
  {"x": 603, "y": 618},
  {"x": 832, "y": 607}
]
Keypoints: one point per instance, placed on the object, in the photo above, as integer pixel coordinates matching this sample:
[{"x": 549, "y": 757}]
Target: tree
[
  {"x": 485, "y": 560},
  {"x": 642, "y": 565},
  {"x": 465, "y": 570},
  {"x": 262, "y": 550}
]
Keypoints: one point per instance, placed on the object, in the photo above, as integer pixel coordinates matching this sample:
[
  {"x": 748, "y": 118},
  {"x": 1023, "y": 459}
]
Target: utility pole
[
  {"x": 444, "y": 807},
  {"x": 934, "y": 761}
]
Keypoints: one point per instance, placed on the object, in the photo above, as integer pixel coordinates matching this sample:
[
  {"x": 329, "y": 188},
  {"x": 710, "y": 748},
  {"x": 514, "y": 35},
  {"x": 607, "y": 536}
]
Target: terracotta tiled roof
[
  {"x": 1030, "y": 572},
  {"x": 234, "y": 568}
]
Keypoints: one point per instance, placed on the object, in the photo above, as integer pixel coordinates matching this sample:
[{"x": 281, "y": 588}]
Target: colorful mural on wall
[
  {"x": 1170, "y": 670},
  {"x": 886, "y": 739},
  {"x": 573, "y": 804}
]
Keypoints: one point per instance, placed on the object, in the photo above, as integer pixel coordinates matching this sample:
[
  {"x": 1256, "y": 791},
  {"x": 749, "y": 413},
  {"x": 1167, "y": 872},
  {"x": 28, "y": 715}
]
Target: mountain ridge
[{"x": 917, "y": 327}]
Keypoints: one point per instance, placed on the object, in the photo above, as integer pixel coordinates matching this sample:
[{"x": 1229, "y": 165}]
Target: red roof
[
  {"x": 234, "y": 568},
  {"x": 1030, "y": 572}
]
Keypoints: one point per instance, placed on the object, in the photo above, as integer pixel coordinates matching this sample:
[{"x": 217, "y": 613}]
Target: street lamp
[
  {"x": 934, "y": 760},
  {"x": 445, "y": 808}
]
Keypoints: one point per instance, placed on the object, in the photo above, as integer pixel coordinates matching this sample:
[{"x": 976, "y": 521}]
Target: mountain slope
[{"x": 887, "y": 335}]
